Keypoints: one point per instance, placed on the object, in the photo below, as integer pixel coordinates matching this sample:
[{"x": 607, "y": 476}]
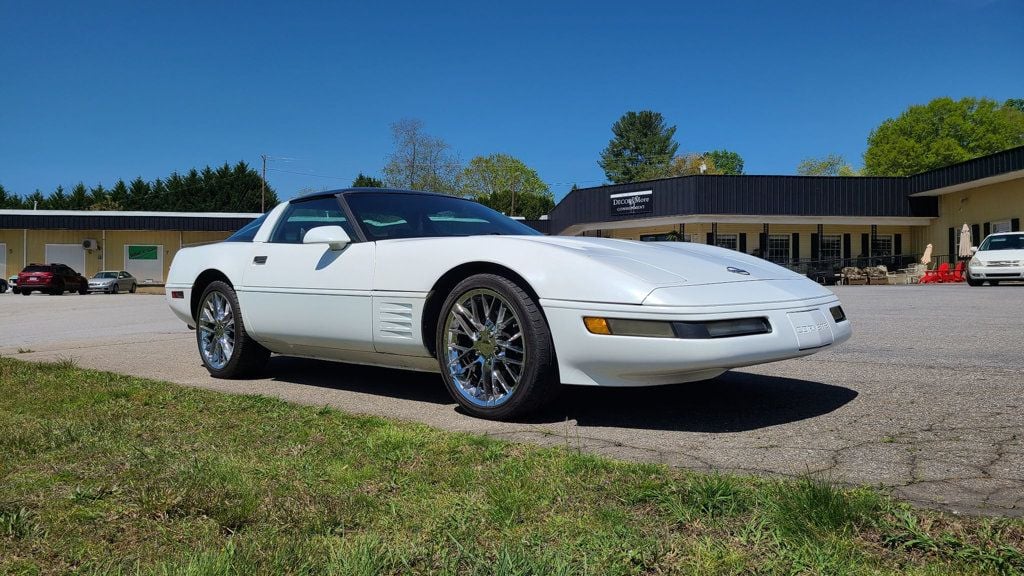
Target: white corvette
[{"x": 435, "y": 283}]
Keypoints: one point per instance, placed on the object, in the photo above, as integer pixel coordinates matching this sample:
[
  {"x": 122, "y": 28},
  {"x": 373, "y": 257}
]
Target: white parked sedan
[
  {"x": 430, "y": 282},
  {"x": 1000, "y": 257}
]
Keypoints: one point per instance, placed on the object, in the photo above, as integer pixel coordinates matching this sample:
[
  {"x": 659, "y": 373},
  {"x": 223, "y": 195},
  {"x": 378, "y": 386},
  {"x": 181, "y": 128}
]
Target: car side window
[{"x": 302, "y": 216}]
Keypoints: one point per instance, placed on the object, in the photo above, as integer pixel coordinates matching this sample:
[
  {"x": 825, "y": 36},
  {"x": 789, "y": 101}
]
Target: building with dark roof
[{"x": 800, "y": 219}]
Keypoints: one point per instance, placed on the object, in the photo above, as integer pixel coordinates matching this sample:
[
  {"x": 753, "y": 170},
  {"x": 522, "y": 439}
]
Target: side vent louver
[{"x": 395, "y": 320}]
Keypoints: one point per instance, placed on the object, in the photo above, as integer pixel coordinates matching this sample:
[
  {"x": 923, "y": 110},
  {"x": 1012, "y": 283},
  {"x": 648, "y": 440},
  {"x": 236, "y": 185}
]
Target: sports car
[{"x": 435, "y": 283}]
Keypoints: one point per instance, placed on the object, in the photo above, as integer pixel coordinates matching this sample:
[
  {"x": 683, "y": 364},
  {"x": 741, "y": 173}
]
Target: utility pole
[{"x": 263, "y": 185}]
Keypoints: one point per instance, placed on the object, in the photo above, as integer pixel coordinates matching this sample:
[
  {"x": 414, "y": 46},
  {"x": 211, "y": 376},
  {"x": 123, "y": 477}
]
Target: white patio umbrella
[
  {"x": 926, "y": 259},
  {"x": 965, "y": 242}
]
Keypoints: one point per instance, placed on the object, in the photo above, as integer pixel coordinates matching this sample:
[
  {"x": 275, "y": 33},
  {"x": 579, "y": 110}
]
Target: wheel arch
[
  {"x": 205, "y": 278},
  {"x": 443, "y": 286}
]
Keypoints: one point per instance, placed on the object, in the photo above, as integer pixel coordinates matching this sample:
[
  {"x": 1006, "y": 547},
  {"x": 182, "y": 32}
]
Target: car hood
[
  {"x": 102, "y": 280},
  {"x": 672, "y": 263},
  {"x": 1000, "y": 255}
]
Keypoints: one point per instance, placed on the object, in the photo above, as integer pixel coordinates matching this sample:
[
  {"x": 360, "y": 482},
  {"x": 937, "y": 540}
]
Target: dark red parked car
[{"x": 53, "y": 279}]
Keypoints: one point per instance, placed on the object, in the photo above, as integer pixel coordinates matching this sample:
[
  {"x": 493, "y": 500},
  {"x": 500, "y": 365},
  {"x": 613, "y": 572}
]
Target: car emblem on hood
[{"x": 736, "y": 270}]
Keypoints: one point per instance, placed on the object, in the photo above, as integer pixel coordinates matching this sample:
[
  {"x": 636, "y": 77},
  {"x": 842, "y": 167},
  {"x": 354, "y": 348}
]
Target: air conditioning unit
[{"x": 90, "y": 244}]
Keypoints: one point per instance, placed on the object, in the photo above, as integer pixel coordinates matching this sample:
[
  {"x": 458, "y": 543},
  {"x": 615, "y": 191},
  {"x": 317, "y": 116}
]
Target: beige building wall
[
  {"x": 110, "y": 253},
  {"x": 1003, "y": 201},
  {"x": 13, "y": 245}
]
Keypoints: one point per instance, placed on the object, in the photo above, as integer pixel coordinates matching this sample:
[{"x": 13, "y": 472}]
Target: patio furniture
[
  {"x": 936, "y": 276},
  {"x": 854, "y": 276}
]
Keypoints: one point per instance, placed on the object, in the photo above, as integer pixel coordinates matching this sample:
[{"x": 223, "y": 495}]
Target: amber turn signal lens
[{"x": 596, "y": 325}]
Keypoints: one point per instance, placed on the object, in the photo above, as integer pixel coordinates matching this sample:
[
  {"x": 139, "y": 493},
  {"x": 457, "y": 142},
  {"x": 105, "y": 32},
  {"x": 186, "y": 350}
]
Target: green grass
[{"x": 107, "y": 474}]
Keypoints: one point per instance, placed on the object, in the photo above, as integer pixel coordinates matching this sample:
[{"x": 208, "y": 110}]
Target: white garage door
[
  {"x": 145, "y": 262},
  {"x": 71, "y": 254}
]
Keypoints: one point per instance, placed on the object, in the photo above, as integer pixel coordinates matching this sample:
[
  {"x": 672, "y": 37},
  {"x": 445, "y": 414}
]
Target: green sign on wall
[{"x": 143, "y": 252}]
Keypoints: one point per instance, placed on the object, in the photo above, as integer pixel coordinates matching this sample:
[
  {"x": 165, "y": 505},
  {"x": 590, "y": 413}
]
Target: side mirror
[
  {"x": 974, "y": 249},
  {"x": 334, "y": 236}
]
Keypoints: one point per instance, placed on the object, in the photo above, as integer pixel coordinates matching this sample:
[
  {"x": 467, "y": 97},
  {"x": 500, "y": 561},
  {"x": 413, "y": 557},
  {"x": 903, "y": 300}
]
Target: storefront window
[
  {"x": 778, "y": 248},
  {"x": 882, "y": 245},
  {"x": 730, "y": 241},
  {"x": 831, "y": 247}
]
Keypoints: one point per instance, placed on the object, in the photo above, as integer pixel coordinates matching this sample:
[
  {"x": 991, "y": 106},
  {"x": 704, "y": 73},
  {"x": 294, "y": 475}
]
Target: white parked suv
[{"x": 1000, "y": 257}]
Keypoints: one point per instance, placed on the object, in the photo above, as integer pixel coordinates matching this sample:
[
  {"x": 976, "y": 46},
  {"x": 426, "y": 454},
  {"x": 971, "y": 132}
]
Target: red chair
[
  {"x": 957, "y": 275},
  {"x": 936, "y": 276}
]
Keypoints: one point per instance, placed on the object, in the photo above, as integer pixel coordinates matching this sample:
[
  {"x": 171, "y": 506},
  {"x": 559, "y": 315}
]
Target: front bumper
[
  {"x": 799, "y": 328},
  {"x": 996, "y": 272}
]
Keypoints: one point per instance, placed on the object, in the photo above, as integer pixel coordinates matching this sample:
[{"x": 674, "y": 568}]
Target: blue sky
[{"x": 96, "y": 91}]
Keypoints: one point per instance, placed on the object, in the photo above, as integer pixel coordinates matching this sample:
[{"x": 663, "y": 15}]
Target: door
[
  {"x": 307, "y": 295},
  {"x": 145, "y": 262},
  {"x": 3, "y": 262},
  {"x": 72, "y": 255}
]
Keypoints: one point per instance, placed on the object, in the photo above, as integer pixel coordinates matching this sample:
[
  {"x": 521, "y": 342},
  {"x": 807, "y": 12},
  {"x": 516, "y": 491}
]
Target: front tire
[
  {"x": 113, "y": 288},
  {"x": 973, "y": 282},
  {"x": 494, "y": 349},
  {"x": 225, "y": 347}
]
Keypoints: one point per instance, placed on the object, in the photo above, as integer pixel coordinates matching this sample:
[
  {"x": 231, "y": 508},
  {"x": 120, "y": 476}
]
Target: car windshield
[
  {"x": 1003, "y": 242},
  {"x": 105, "y": 275},
  {"x": 398, "y": 215},
  {"x": 248, "y": 232}
]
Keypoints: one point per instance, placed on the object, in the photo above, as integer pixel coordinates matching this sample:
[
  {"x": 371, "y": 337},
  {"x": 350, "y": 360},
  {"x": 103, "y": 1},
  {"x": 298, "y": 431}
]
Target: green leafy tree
[
  {"x": 940, "y": 133},
  {"x": 364, "y": 181},
  {"x": 830, "y": 165},
  {"x": 689, "y": 165},
  {"x": 507, "y": 185},
  {"x": 420, "y": 161},
  {"x": 725, "y": 161},
  {"x": 641, "y": 148},
  {"x": 1015, "y": 104}
]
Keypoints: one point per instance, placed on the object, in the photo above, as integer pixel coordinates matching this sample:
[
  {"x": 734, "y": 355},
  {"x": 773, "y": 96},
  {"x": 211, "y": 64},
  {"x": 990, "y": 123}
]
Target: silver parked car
[{"x": 112, "y": 282}]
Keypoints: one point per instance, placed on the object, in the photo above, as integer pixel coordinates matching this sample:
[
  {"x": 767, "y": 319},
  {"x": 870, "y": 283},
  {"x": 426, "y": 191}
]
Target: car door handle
[{"x": 259, "y": 260}]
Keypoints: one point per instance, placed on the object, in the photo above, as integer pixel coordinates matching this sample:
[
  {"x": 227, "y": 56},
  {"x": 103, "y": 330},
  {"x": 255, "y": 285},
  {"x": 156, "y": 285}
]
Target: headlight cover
[{"x": 975, "y": 263}]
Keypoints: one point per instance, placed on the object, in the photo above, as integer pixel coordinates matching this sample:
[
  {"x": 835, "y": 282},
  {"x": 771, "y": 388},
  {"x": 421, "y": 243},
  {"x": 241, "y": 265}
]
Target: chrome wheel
[
  {"x": 485, "y": 353},
  {"x": 216, "y": 327}
]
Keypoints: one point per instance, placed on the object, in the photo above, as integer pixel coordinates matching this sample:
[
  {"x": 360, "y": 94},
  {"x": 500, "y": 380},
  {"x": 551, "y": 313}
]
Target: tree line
[
  {"x": 928, "y": 136},
  {"x": 643, "y": 147},
  {"x": 420, "y": 161},
  {"x": 225, "y": 189}
]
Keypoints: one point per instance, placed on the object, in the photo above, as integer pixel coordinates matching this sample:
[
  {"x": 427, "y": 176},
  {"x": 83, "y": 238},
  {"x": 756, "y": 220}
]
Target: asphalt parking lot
[{"x": 925, "y": 400}]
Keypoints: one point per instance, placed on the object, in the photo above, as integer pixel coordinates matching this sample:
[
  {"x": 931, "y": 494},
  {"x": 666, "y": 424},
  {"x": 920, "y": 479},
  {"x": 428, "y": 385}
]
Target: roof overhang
[
  {"x": 972, "y": 184},
  {"x": 747, "y": 219}
]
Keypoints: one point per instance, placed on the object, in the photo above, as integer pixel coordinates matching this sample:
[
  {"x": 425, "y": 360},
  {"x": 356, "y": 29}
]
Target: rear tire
[
  {"x": 25, "y": 292},
  {"x": 494, "y": 349},
  {"x": 225, "y": 347},
  {"x": 57, "y": 291},
  {"x": 132, "y": 289},
  {"x": 83, "y": 289}
]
